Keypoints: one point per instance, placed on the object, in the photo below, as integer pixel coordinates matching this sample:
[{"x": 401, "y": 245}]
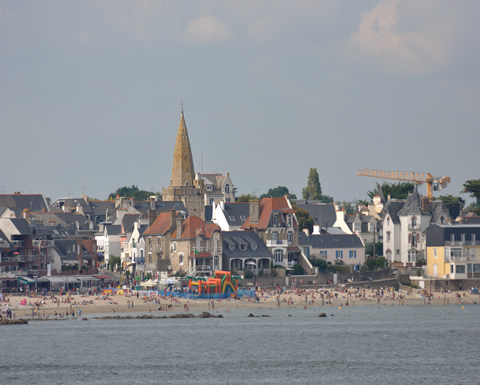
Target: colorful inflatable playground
[{"x": 222, "y": 283}]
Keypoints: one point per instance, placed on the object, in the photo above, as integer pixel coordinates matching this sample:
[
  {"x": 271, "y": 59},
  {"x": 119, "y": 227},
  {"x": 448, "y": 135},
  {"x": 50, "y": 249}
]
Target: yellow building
[{"x": 453, "y": 251}]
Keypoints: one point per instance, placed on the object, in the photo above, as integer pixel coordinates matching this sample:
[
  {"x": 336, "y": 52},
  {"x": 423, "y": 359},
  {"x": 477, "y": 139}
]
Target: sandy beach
[{"x": 85, "y": 306}]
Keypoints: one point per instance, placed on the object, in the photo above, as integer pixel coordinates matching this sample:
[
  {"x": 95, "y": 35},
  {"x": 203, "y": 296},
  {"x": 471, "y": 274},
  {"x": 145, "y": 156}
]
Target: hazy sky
[{"x": 91, "y": 92}]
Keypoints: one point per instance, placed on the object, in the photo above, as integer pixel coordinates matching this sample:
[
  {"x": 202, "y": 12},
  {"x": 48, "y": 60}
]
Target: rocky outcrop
[{"x": 13, "y": 322}]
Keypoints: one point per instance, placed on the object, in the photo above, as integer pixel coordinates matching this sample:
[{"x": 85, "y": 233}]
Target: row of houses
[{"x": 197, "y": 228}]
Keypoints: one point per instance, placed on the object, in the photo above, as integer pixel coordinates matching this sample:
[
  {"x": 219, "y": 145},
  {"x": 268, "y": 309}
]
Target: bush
[
  {"x": 320, "y": 263},
  {"x": 298, "y": 269},
  {"x": 249, "y": 274}
]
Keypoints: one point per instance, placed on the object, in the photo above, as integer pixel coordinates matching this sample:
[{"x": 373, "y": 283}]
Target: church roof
[{"x": 183, "y": 172}]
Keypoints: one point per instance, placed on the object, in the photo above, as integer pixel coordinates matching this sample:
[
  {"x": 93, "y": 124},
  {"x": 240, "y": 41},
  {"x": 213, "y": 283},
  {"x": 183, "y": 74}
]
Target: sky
[{"x": 91, "y": 92}]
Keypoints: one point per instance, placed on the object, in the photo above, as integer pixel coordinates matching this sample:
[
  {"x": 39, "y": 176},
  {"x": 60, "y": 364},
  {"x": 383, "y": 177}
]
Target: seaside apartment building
[{"x": 453, "y": 251}]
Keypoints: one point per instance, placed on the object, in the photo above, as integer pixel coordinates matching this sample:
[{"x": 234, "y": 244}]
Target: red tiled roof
[
  {"x": 161, "y": 224},
  {"x": 194, "y": 226},
  {"x": 267, "y": 205}
]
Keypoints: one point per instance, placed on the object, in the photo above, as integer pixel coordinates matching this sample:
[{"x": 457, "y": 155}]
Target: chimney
[
  {"x": 152, "y": 202},
  {"x": 173, "y": 216},
  {"x": 152, "y": 215},
  {"x": 305, "y": 230},
  {"x": 316, "y": 229},
  {"x": 254, "y": 211},
  {"x": 426, "y": 206},
  {"x": 179, "y": 228}
]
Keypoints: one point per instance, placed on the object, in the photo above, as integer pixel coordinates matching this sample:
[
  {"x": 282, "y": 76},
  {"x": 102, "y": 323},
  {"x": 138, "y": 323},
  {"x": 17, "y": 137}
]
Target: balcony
[
  {"x": 278, "y": 243},
  {"x": 203, "y": 268},
  {"x": 16, "y": 243},
  {"x": 413, "y": 227}
]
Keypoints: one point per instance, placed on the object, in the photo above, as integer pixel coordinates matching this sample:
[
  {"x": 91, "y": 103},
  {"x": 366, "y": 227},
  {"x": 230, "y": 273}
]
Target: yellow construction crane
[{"x": 433, "y": 183}]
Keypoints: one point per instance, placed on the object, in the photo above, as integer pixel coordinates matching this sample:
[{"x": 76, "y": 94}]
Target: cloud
[
  {"x": 406, "y": 37},
  {"x": 207, "y": 29}
]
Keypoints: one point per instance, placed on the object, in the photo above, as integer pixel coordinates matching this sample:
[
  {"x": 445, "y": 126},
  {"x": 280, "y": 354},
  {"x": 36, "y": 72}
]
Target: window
[
  {"x": 180, "y": 258},
  {"x": 412, "y": 256},
  {"x": 289, "y": 220},
  {"x": 460, "y": 269},
  {"x": 435, "y": 252},
  {"x": 339, "y": 254},
  {"x": 463, "y": 238},
  {"x": 227, "y": 200},
  {"x": 243, "y": 246},
  {"x": 414, "y": 222},
  {"x": 231, "y": 247},
  {"x": 226, "y": 189},
  {"x": 388, "y": 221},
  {"x": 473, "y": 239},
  {"x": 253, "y": 246},
  {"x": 209, "y": 187},
  {"x": 211, "y": 201},
  {"x": 231, "y": 217},
  {"x": 275, "y": 220},
  {"x": 290, "y": 237},
  {"x": 274, "y": 236},
  {"x": 242, "y": 218},
  {"x": 414, "y": 239},
  {"x": 352, "y": 254},
  {"x": 323, "y": 253},
  {"x": 452, "y": 238},
  {"x": 388, "y": 236},
  {"x": 278, "y": 254}
]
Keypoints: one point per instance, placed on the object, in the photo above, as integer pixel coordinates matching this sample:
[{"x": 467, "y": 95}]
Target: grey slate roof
[
  {"x": 413, "y": 205},
  {"x": 391, "y": 208},
  {"x": 327, "y": 241},
  {"x": 128, "y": 220},
  {"x": 322, "y": 214},
  {"x": 255, "y": 248},
  {"x": 235, "y": 211},
  {"x": 438, "y": 235},
  {"x": 21, "y": 225},
  {"x": 113, "y": 229},
  {"x": 160, "y": 206},
  {"x": 18, "y": 202}
]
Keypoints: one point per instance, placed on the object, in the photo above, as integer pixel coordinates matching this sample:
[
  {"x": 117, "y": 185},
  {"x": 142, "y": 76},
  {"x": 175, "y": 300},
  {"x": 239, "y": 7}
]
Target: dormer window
[
  {"x": 243, "y": 247},
  {"x": 231, "y": 217},
  {"x": 289, "y": 220},
  {"x": 254, "y": 246},
  {"x": 226, "y": 189},
  {"x": 242, "y": 218},
  {"x": 414, "y": 222},
  {"x": 209, "y": 187},
  {"x": 275, "y": 220},
  {"x": 232, "y": 247}
]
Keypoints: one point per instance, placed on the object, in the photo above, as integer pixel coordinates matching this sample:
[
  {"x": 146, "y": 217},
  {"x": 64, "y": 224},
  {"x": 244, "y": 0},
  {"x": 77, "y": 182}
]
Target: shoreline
[{"x": 89, "y": 305}]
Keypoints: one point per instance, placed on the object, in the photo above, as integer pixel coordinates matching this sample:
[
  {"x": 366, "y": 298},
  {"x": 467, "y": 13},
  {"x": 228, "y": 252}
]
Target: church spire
[{"x": 183, "y": 173}]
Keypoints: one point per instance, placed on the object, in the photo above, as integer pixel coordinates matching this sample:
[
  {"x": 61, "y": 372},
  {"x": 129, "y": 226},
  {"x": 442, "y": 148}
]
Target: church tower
[
  {"x": 184, "y": 186},
  {"x": 182, "y": 170}
]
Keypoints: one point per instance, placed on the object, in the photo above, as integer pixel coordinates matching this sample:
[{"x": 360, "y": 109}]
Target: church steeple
[{"x": 183, "y": 173}]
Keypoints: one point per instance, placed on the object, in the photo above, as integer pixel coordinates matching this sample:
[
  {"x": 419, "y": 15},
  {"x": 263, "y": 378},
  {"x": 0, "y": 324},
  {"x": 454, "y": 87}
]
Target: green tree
[
  {"x": 112, "y": 261},
  {"x": 278, "y": 192},
  {"x": 320, "y": 263},
  {"x": 313, "y": 191},
  {"x": 369, "y": 249},
  {"x": 304, "y": 219},
  {"x": 398, "y": 190},
  {"x": 472, "y": 187},
  {"x": 132, "y": 192},
  {"x": 453, "y": 204},
  {"x": 246, "y": 198},
  {"x": 298, "y": 269},
  {"x": 376, "y": 263}
]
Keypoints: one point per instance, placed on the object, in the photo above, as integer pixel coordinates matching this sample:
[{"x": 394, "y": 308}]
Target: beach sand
[{"x": 122, "y": 304}]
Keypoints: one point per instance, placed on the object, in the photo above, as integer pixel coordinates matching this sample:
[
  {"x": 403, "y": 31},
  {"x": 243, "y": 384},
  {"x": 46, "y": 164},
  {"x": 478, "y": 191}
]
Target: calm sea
[{"x": 354, "y": 345}]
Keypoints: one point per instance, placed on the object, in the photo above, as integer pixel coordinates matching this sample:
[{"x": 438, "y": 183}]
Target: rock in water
[{"x": 322, "y": 315}]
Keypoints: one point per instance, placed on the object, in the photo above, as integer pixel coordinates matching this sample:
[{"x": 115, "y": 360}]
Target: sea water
[{"x": 352, "y": 345}]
